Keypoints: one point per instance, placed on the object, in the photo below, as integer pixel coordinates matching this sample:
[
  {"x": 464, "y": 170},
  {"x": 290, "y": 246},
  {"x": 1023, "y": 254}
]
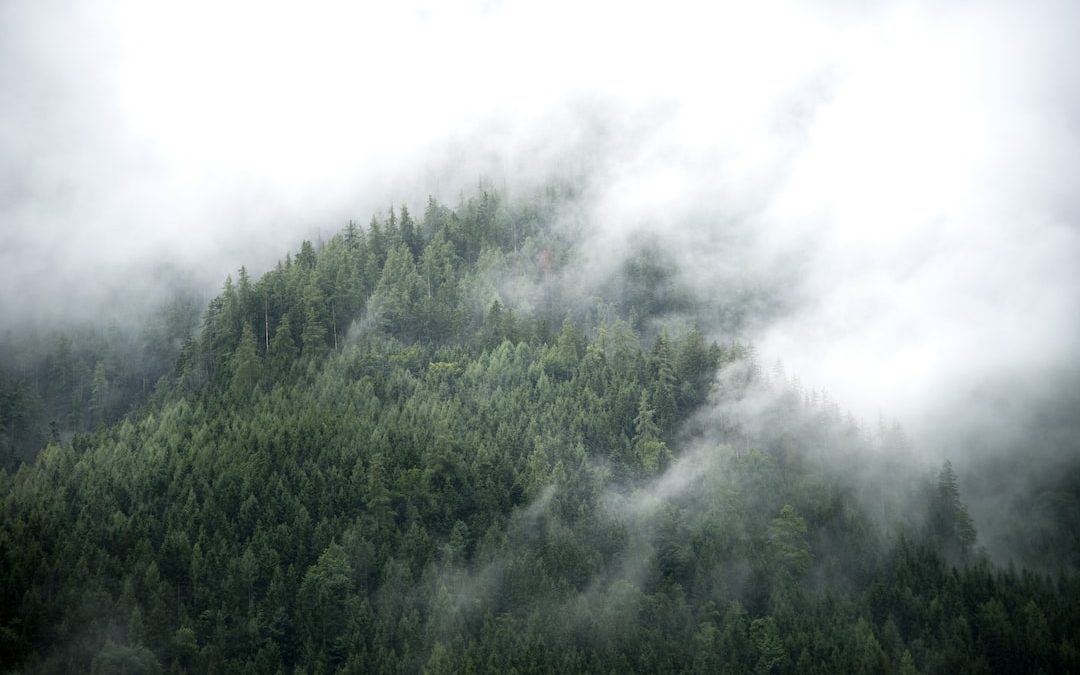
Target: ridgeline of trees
[{"x": 374, "y": 459}]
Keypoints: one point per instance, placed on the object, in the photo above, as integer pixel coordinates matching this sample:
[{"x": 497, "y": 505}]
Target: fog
[{"x": 899, "y": 176}]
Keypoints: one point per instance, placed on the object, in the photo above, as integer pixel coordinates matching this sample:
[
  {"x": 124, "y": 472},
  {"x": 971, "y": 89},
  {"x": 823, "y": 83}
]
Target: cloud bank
[{"x": 901, "y": 173}]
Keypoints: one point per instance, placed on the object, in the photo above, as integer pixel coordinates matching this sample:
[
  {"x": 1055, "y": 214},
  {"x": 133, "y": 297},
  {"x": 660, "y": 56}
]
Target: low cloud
[{"x": 895, "y": 178}]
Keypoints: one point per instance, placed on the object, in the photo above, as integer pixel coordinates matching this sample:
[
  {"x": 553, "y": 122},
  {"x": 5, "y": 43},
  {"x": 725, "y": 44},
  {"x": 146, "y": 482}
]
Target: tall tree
[
  {"x": 313, "y": 336},
  {"x": 322, "y": 603},
  {"x": 950, "y": 526},
  {"x": 651, "y": 453},
  {"x": 409, "y": 235},
  {"x": 306, "y": 258},
  {"x": 399, "y": 294},
  {"x": 100, "y": 395},
  {"x": 245, "y": 363},
  {"x": 283, "y": 347},
  {"x": 664, "y": 382}
]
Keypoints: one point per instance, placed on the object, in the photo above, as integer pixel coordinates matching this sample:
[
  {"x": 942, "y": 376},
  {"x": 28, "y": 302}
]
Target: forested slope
[{"x": 383, "y": 456}]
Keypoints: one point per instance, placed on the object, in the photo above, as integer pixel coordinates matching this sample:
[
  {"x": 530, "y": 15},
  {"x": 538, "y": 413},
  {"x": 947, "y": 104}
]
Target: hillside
[{"x": 411, "y": 448}]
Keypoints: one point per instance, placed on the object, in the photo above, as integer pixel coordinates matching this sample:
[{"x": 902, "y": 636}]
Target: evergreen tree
[
  {"x": 322, "y": 603},
  {"x": 664, "y": 383},
  {"x": 306, "y": 258},
  {"x": 787, "y": 543},
  {"x": 100, "y": 395},
  {"x": 313, "y": 337},
  {"x": 950, "y": 526},
  {"x": 283, "y": 349},
  {"x": 245, "y": 363},
  {"x": 399, "y": 294},
  {"x": 409, "y": 236},
  {"x": 650, "y": 452}
]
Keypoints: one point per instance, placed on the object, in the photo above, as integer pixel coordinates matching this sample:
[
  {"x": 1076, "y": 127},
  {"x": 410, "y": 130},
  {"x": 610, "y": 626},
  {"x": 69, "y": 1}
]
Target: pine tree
[
  {"x": 409, "y": 236},
  {"x": 313, "y": 336},
  {"x": 950, "y": 526},
  {"x": 787, "y": 543},
  {"x": 537, "y": 470},
  {"x": 662, "y": 369},
  {"x": 645, "y": 428},
  {"x": 245, "y": 363},
  {"x": 651, "y": 453},
  {"x": 306, "y": 258},
  {"x": 399, "y": 293},
  {"x": 353, "y": 236},
  {"x": 100, "y": 395},
  {"x": 377, "y": 496},
  {"x": 283, "y": 347}
]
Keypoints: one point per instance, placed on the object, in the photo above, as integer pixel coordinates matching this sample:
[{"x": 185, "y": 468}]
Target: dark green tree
[
  {"x": 283, "y": 349},
  {"x": 245, "y": 363},
  {"x": 322, "y": 604},
  {"x": 950, "y": 527},
  {"x": 313, "y": 337}
]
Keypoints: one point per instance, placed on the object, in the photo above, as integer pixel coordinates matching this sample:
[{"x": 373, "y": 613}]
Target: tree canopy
[{"x": 408, "y": 450}]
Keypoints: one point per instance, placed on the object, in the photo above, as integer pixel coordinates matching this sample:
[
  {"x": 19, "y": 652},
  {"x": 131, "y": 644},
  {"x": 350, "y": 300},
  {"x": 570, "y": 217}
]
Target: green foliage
[
  {"x": 124, "y": 660},
  {"x": 322, "y": 605},
  {"x": 283, "y": 349},
  {"x": 787, "y": 543},
  {"x": 948, "y": 523},
  {"x": 378, "y": 458},
  {"x": 55, "y": 386},
  {"x": 245, "y": 364}
]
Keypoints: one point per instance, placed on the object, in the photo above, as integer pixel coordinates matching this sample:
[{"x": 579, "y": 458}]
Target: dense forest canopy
[{"x": 415, "y": 448}]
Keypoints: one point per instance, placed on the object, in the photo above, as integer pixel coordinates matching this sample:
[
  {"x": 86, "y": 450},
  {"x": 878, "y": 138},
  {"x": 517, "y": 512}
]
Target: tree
[
  {"x": 770, "y": 648},
  {"x": 283, "y": 347},
  {"x": 561, "y": 359},
  {"x": 438, "y": 268},
  {"x": 650, "y": 453},
  {"x": 399, "y": 292},
  {"x": 950, "y": 527},
  {"x": 127, "y": 659},
  {"x": 694, "y": 370},
  {"x": 787, "y": 543},
  {"x": 907, "y": 664},
  {"x": 321, "y": 605},
  {"x": 306, "y": 258},
  {"x": 353, "y": 236},
  {"x": 100, "y": 395},
  {"x": 663, "y": 382},
  {"x": 245, "y": 363},
  {"x": 492, "y": 329},
  {"x": 377, "y": 496},
  {"x": 537, "y": 470},
  {"x": 313, "y": 336},
  {"x": 409, "y": 236}
]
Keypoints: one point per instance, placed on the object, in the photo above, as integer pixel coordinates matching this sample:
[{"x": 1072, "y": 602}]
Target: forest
[{"x": 410, "y": 448}]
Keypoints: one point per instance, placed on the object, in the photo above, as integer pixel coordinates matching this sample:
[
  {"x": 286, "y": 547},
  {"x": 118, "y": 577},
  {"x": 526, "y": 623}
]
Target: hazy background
[{"x": 901, "y": 174}]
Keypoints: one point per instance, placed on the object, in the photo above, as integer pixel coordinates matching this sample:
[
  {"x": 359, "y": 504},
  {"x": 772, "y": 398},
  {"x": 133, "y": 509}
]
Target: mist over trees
[
  {"x": 421, "y": 447},
  {"x": 79, "y": 377}
]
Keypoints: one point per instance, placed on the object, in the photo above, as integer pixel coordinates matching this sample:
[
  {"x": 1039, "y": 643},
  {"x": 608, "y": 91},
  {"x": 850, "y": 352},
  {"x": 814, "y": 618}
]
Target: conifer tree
[
  {"x": 282, "y": 347},
  {"x": 651, "y": 453},
  {"x": 950, "y": 526},
  {"x": 313, "y": 337},
  {"x": 245, "y": 363},
  {"x": 100, "y": 395},
  {"x": 663, "y": 386},
  {"x": 409, "y": 236}
]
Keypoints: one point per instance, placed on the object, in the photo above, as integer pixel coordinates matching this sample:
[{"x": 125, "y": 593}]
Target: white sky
[{"x": 917, "y": 159}]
